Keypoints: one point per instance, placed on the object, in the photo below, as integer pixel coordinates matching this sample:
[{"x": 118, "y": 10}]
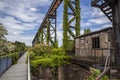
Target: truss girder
[{"x": 47, "y": 31}]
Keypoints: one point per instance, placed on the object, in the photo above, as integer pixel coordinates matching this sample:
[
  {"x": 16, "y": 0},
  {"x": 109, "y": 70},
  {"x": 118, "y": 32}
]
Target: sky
[{"x": 22, "y": 18}]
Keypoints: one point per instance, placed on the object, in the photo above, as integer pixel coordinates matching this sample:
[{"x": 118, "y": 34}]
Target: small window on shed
[{"x": 96, "y": 42}]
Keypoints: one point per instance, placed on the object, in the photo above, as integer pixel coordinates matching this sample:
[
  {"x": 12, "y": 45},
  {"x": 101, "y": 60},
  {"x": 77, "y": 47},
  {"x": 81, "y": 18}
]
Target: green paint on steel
[
  {"x": 77, "y": 10},
  {"x": 48, "y": 32},
  {"x": 42, "y": 33},
  {"x": 65, "y": 25},
  {"x": 67, "y": 22}
]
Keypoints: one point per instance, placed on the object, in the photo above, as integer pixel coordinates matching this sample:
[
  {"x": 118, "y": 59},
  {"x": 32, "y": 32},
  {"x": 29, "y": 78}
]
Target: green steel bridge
[{"x": 47, "y": 33}]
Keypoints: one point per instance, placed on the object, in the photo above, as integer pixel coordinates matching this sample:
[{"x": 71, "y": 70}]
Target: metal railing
[
  {"x": 97, "y": 55},
  {"x": 6, "y": 62},
  {"x": 29, "y": 72}
]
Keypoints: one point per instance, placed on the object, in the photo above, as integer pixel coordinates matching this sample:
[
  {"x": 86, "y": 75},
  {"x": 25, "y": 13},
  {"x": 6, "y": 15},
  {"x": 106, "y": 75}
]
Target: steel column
[
  {"x": 52, "y": 32},
  {"x": 71, "y": 22}
]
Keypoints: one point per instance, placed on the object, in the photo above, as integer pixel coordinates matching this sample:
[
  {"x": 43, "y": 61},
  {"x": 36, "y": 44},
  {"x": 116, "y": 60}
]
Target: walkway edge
[{"x": 29, "y": 74}]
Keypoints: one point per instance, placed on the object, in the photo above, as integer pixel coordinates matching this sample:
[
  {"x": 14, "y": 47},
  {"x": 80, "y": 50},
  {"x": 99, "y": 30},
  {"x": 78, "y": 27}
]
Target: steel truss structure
[
  {"x": 71, "y": 22},
  {"x": 47, "y": 33}
]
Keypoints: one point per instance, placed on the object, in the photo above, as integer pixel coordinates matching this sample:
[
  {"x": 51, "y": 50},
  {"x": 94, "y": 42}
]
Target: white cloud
[
  {"x": 97, "y": 12},
  {"x": 81, "y": 32},
  {"x": 15, "y": 26},
  {"x": 100, "y": 20},
  {"x": 21, "y": 38},
  {"x": 90, "y": 12},
  {"x": 60, "y": 37},
  {"x": 33, "y": 9},
  {"x": 20, "y": 16},
  {"x": 106, "y": 25},
  {"x": 101, "y": 27},
  {"x": 23, "y": 9},
  {"x": 85, "y": 24}
]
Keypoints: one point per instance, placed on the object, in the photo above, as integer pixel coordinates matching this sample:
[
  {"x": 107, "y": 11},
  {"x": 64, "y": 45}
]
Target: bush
[
  {"x": 45, "y": 56},
  {"x": 14, "y": 57},
  {"x": 40, "y": 49},
  {"x": 95, "y": 74},
  {"x": 49, "y": 61}
]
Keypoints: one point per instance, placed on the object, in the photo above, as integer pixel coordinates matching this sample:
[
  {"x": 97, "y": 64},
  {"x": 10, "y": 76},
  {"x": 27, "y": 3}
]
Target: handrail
[
  {"x": 29, "y": 74},
  {"x": 6, "y": 61},
  {"x": 107, "y": 64},
  {"x": 91, "y": 54}
]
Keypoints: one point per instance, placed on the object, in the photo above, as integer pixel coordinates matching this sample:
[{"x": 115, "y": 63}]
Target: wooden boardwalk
[{"x": 17, "y": 71}]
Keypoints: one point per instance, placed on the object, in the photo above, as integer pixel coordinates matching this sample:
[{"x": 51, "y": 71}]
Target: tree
[
  {"x": 10, "y": 47},
  {"x": 3, "y": 40},
  {"x": 20, "y": 46},
  {"x": 3, "y": 31},
  {"x": 86, "y": 31}
]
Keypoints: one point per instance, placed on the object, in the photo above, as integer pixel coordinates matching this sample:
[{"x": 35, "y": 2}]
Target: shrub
[
  {"x": 45, "y": 56},
  {"x": 95, "y": 74},
  {"x": 14, "y": 57},
  {"x": 40, "y": 49}
]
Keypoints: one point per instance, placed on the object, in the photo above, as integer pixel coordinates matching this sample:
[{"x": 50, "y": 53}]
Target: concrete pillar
[{"x": 61, "y": 73}]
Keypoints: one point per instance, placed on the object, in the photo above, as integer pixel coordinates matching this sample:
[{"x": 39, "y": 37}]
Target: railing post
[{"x": 102, "y": 57}]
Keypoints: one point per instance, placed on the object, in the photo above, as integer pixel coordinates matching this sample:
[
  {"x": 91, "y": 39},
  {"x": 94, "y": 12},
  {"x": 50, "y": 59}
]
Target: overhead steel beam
[{"x": 51, "y": 10}]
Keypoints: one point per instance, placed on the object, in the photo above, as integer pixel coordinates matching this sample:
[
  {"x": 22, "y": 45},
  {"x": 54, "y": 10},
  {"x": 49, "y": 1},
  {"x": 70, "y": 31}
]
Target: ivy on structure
[
  {"x": 42, "y": 32},
  {"x": 67, "y": 22},
  {"x": 65, "y": 25},
  {"x": 48, "y": 32},
  {"x": 77, "y": 26}
]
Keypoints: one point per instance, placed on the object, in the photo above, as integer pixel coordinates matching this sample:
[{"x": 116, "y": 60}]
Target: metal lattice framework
[
  {"x": 47, "y": 33},
  {"x": 71, "y": 22}
]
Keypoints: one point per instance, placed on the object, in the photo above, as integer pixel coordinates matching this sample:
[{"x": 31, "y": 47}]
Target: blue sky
[{"x": 22, "y": 18}]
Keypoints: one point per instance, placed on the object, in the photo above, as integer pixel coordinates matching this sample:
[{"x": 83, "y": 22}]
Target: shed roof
[{"x": 95, "y": 32}]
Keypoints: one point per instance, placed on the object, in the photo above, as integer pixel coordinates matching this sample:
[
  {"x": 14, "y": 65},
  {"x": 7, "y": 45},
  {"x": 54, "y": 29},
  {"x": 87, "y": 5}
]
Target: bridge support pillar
[
  {"x": 51, "y": 29},
  {"x": 71, "y": 23},
  {"x": 116, "y": 27}
]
